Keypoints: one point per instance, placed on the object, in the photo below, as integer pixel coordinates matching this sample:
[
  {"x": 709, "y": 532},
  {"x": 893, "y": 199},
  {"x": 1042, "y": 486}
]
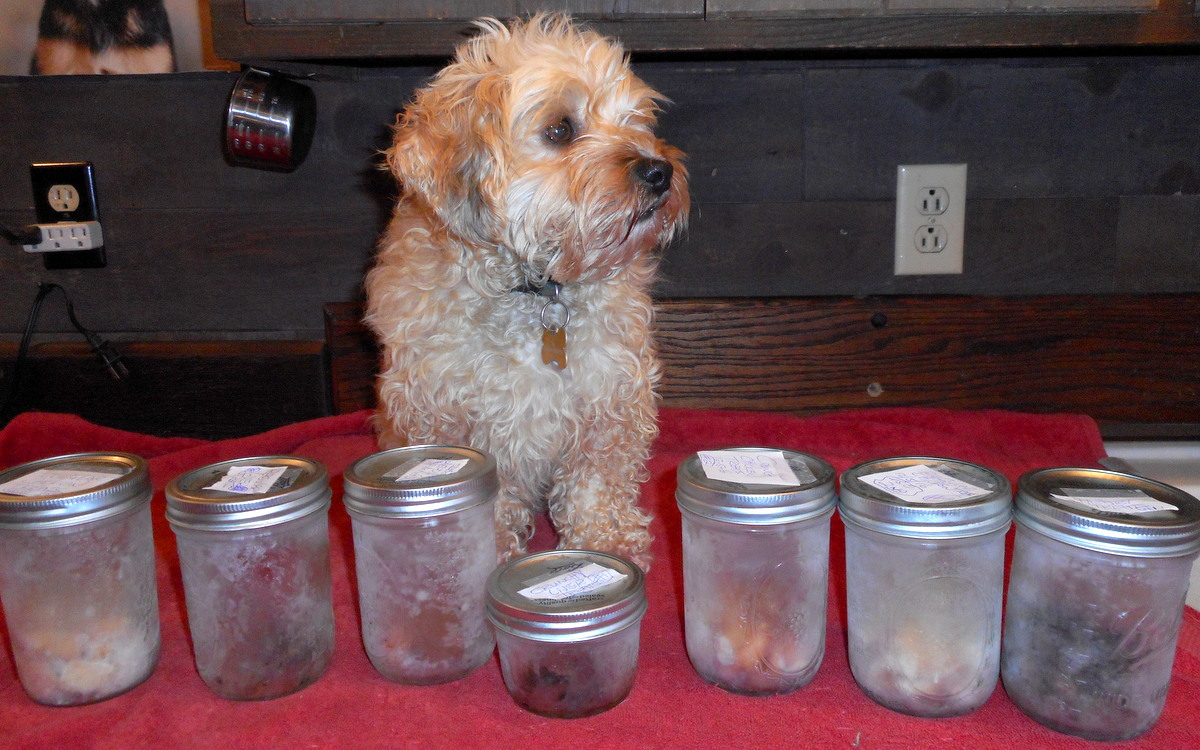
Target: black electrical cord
[
  {"x": 108, "y": 355},
  {"x": 29, "y": 235}
]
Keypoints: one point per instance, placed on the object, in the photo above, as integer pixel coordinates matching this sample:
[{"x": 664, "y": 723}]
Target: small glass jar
[
  {"x": 424, "y": 546},
  {"x": 568, "y": 626},
  {"x": 253, "y": 539},
  {"x": 755, "y": 570},
  {"x": 1095, "y": 599},
  {"x": 77, "y": 576},
  {"x": 925, "y": 581}
]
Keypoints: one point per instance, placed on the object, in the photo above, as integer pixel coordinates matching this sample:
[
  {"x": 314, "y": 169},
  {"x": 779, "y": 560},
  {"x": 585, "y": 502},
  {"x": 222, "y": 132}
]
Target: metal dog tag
[
  {"x": 554, "y": 347},
  {"x": 554, "y": 332}
]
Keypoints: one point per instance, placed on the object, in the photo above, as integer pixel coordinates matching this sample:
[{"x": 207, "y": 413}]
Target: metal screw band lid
[
  {"x": 207, "y": 498},
  {"x": 566, "y": 596},
  {"x": 867, "y": 505},
  {"x": 73, "y": 489},
  {"x": 1044, "y": 504},
  {"x": 754, "y": 504},
  {"x": 419, "y": 481}
]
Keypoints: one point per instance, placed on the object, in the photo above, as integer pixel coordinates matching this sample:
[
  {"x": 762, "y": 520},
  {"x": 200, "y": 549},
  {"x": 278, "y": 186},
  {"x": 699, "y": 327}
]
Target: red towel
[{"x": 670, "y": 706}]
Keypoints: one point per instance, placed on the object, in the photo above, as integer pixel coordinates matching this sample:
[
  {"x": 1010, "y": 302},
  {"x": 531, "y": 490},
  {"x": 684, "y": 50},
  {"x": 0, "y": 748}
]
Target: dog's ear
[{"x": 449, "y": 152}]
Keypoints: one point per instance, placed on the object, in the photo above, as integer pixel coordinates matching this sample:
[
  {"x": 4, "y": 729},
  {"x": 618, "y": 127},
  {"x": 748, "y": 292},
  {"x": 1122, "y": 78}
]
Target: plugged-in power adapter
[
  {"x": 68, "y": 236},
  {"x": 64, "y": 196}
]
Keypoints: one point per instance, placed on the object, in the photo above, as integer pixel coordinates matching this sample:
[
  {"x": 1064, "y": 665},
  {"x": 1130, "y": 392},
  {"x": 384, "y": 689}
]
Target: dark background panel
[
  {"x": 1083, "y": 179},
  {"x": 1083, "y": 176}
]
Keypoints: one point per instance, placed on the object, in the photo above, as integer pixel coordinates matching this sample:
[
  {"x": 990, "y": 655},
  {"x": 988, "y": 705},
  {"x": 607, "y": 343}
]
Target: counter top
[{"x": 670, "y": 706}]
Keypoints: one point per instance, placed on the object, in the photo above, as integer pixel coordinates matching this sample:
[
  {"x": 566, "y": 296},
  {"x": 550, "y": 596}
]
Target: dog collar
[
  {"x": 549, "y": 289},
  {"x": 554, "y": 317}
]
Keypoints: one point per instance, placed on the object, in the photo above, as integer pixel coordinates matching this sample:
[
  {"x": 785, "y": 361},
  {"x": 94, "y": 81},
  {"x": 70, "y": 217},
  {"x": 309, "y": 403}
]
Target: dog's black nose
[{"x": 655, "y": 174}]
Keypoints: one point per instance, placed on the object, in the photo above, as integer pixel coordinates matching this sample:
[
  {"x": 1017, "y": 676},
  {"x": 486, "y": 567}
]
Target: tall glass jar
[
  {"x": 925, "y": 581},
  {"x": 1095, "y": 599},
  {"x": 755, "y": 567},
  {"x": 77, "y": 576},
  {"x": 253, "y": 539},
  {"x": 568, "y": 628},
  {"x": 424, "y": 545}
]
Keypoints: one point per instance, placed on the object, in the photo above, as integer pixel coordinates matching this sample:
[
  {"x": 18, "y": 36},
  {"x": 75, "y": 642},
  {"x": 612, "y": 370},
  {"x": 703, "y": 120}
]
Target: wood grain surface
[
  {"x": 207, "y": 389},
  {"x": 1128, "y": 361},
  {"x": 384, "y": 33}
]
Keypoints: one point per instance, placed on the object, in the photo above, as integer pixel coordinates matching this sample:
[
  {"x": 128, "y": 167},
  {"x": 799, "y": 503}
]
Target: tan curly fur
[{"x": 530, "y": 157}]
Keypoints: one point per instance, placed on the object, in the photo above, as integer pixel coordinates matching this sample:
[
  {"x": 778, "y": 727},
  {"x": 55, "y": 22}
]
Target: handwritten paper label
[
  {"x": 46, "y": 482},
  {"x": 1129, "y": 502},
  {"x": 579, "y": 579},
  {"x": 249, "y": 480},
  {"x": 752, "y": 467},
  {"x": 923, "y": 485},
  {"x": 429, "y": 469}
]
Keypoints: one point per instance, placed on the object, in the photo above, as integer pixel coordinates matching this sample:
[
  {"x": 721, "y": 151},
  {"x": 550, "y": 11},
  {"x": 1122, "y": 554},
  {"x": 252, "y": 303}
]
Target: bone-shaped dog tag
[{"x": 554, "y": 347}]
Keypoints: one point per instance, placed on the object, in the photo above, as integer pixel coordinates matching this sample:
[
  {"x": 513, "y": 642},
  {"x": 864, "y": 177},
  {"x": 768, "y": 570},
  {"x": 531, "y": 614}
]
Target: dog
[
  {"x": 511, "y": 288},
  {"x": 102, "y": 37}
]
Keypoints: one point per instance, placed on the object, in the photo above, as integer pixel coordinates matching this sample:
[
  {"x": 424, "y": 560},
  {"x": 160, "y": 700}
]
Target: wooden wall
[{"x": 1084, "y": 178}]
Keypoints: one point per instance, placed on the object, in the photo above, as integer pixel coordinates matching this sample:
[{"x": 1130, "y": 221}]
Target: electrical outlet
[
  {"x": 68, "y": 236},
  {"x": 932, "y": 238},
  {"x": 63, "y": 198},
  {"x": 930, "y": 213},
  {"x": 65, "y": 192}
]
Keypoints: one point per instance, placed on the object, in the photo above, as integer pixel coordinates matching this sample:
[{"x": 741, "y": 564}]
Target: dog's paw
[
  {"x": 509, "y": 545},
  {"x": 636, "y": 551},
  {"x": 643, "y": 560}
]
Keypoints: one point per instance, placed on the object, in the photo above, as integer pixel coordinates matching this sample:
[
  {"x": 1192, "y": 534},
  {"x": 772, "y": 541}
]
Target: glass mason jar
[
  {"x": 1095, "y": 599},
  {"x": 568, "y": 627},
  {"x": 755, "y": 571},
  {"x": 925, "y": 581},
  {"x": 253, "y": 539},
  {"x": 77, "y": 576},
  {"x": 424, "y": 545}
]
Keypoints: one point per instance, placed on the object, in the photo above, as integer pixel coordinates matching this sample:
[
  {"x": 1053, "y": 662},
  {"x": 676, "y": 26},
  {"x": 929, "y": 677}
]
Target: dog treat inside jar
[
  {"x": 755, "y": 566},
  {"x": 568, "y": 626},
  {"x": 1095, "y": 599},
  {"x": 254, "y": 552},
  {"x": 924, "y": 581},
  {"x": 424, "y": 545},
  {"x": 77, "y": 576}
]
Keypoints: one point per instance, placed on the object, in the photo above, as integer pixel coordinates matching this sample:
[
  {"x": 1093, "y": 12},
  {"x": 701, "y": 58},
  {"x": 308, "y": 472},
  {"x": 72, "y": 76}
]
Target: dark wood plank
[
  {"x": 371, "y": 11},
  {"x": 1131, "y": 362},
  {"x": 1124, "y": 360},
  {"x": 353, "y": 358},
  {"x": 204, "y": 274},
  {"x": 383, "y": 11},
  {"x": 1172, "y": 24},
  {"x": 793, "y": 178},
  {"x": 125, "y": 124},
  {"x": 1013, "y": 247},
  {"x": 244, "y": 273},
  {"x": 623, "y": 9},
  {"x": 208, "y": 389},
  {"x": 1120, "y": 358}
]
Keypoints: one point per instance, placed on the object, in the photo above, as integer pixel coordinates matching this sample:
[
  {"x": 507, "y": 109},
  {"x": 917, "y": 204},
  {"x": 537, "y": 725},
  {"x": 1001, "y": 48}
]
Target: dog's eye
[{"x": 560, "y": 132}]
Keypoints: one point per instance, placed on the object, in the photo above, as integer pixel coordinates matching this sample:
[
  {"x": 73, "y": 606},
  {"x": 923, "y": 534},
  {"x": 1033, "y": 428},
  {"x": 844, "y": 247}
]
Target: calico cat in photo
[{"x": 102, "y": 37}]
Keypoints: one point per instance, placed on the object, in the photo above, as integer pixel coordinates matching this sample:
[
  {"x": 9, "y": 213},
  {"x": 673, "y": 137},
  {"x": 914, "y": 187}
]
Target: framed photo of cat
[{"x": 101, "y": 37}]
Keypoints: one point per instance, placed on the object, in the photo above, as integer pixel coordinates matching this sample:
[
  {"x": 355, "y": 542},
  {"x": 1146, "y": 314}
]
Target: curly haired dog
[{"x": 511, "y": 289}]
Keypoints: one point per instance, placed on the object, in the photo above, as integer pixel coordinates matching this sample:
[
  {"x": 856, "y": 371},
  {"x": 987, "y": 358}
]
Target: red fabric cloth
[{"x": 670, "y": 706}]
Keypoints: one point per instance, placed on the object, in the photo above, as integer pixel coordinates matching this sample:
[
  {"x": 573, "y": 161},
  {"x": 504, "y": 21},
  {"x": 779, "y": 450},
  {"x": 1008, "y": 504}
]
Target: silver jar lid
[
  {"x": 1108, "y": 511},
  {"x": 565, "y": 596},
  {"x": 420, "y": 481},
  {"x": 74, "y": 489},
  {"x": 247, "y": 493},
  {"x": 753, "y": 503},
  {"x": 925, "y": 498}
]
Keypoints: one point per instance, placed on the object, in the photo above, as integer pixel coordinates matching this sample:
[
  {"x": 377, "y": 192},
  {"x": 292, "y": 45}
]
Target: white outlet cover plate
[{"x": 913, "y": 181}]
